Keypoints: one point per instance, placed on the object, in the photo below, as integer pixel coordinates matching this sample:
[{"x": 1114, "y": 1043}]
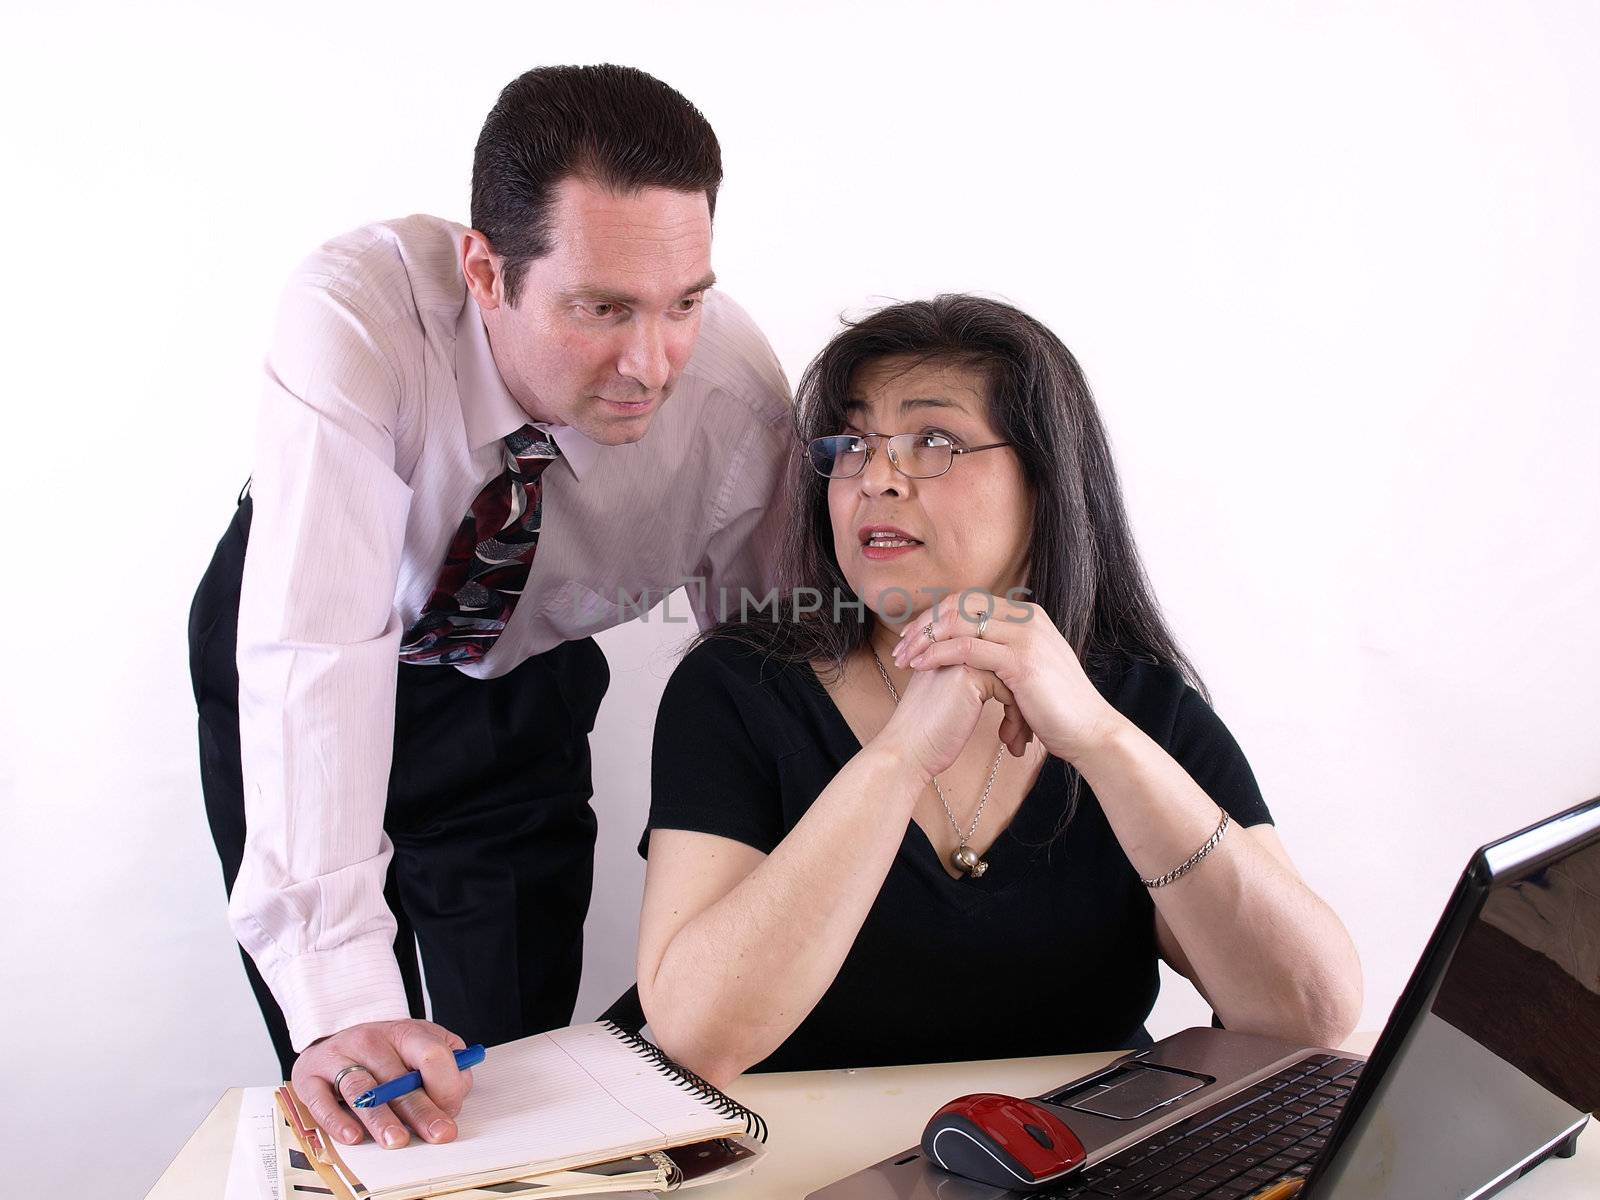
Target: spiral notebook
[{"x": 568, "y": 1098}]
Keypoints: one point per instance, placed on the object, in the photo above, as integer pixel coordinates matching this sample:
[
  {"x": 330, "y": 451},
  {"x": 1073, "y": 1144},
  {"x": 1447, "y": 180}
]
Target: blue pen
[{"x": 412, "y": 1080}]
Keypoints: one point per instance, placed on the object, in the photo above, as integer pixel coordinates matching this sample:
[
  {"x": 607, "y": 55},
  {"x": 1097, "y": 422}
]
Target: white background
[{"x": 1332, "y": 270}]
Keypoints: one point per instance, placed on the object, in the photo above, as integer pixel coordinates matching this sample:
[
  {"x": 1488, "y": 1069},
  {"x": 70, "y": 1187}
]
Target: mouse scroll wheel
[{"x": 1039, "y": 1136}]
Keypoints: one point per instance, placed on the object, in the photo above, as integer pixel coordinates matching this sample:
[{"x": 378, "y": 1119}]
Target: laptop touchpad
[{"x": 1135, "y": 1091}]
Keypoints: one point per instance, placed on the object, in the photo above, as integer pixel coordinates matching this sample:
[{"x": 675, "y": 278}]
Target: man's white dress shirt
[{"x": 382, "y": 419}]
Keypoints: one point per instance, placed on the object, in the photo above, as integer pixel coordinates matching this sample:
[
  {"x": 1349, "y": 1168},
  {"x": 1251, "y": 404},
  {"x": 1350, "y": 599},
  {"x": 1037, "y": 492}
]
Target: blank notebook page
[{"x": 563, "y": 1098}]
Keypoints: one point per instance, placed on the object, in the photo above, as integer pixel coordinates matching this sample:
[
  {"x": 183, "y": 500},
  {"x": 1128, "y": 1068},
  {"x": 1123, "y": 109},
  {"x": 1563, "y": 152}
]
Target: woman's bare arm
[{"x": 736, "y": 947}]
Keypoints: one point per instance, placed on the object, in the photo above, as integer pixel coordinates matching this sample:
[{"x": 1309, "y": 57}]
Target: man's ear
[{"x": 482, "y": 268}]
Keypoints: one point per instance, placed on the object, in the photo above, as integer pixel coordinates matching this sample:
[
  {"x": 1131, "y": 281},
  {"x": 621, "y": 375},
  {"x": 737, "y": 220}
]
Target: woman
[{"x": 909, "y": 831}]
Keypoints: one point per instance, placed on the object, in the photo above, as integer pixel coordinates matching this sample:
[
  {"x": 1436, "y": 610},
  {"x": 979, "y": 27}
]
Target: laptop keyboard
[{"x": 1271, "y": 1130}]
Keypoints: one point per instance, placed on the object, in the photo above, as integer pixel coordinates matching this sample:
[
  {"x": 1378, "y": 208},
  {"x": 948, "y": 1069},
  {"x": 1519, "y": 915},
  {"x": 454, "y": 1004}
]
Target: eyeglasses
[{"x": 914, "y": 455}]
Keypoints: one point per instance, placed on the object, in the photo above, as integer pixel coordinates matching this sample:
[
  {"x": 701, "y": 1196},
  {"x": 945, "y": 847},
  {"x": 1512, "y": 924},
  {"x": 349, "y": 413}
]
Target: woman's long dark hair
[{"x": 1083, "y": 569}]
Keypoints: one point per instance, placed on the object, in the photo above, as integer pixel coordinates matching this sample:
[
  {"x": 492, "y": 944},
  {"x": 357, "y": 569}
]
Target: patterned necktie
[{"x": 487, "y": 564}]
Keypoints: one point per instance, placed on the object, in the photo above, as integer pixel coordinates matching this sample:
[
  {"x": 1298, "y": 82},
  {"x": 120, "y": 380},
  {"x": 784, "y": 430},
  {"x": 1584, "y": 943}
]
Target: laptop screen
[{"x": 1493, "y": 1051}]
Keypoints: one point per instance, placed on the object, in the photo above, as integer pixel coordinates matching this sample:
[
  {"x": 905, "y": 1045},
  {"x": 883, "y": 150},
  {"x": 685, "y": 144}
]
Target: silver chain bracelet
[{"x": 1180, "y": 871}]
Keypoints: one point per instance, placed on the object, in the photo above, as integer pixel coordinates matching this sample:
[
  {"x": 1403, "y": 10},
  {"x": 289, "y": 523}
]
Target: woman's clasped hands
[{"x": 1011, "y": 651}]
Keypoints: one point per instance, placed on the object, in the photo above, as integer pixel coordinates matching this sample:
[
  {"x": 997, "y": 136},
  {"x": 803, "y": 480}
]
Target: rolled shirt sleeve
[{"x": 317, "y": 657}]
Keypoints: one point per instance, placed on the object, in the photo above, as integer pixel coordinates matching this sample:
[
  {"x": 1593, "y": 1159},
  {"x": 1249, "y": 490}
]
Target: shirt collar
[{"x": 487, "y": 406}]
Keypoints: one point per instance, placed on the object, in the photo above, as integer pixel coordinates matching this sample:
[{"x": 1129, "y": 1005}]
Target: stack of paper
[
  {"x": 253, "y": 1170},
  {"x": 266, "y": 1165},
  {"x": 589, "y": 1110}
]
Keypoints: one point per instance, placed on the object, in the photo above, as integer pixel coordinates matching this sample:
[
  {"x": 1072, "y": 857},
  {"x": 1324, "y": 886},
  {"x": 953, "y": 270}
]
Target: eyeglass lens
[{"x": 919, "y": 455}]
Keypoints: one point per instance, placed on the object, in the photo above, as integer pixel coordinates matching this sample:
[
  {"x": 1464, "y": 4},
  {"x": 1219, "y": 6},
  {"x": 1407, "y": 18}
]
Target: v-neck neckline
[{"x": 1012, "y": 853}]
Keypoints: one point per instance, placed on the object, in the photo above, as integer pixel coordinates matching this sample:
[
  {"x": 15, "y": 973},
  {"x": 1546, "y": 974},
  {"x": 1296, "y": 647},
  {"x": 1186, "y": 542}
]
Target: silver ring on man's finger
[
  {"x": 983, "y": 624},
  {"x": 343, "y": 1071}
]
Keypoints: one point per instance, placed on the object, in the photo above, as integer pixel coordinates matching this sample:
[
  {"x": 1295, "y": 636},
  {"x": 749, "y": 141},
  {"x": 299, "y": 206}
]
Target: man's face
[{"x": 604, "y": 322}]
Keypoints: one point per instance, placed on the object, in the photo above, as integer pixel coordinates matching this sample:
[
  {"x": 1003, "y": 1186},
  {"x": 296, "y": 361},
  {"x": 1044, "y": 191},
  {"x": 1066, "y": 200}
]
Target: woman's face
[{"x": 968, "y": 528}]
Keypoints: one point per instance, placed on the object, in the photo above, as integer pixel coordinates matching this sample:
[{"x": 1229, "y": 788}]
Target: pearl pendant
[{"x": 966, "y": 859}]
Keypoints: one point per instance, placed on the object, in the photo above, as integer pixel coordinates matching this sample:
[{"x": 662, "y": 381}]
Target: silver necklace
[{"x": 964, "y": 858}]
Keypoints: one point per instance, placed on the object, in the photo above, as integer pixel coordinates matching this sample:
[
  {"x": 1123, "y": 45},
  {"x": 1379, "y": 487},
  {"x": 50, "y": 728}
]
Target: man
[{"x": 453, "y": 489}]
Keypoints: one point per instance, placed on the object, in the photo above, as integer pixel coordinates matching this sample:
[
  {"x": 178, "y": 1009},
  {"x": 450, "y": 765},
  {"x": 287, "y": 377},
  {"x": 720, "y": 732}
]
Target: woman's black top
[{"x": 1052, "y": 951}]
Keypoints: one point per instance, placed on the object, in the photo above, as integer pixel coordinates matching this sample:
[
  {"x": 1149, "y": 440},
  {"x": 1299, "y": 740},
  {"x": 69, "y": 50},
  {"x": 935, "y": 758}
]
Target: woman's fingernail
[
  {"x": 391, "y": 1137},
  {"x": 439, "y": 1129},
  {"x": 350, "y": 1134}
]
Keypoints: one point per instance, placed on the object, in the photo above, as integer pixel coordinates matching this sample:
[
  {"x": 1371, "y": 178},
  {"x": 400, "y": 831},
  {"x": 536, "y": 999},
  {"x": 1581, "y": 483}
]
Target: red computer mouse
[{"x": 1001, "y": 1140}]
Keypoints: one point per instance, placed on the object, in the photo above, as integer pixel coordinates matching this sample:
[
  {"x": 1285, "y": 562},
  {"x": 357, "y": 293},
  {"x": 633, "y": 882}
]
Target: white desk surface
[{"x": 826, "y": 1124}]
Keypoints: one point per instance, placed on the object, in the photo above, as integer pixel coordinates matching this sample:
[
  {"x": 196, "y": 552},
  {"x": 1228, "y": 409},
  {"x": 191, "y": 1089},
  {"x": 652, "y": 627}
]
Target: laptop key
[
  {"x": 1171, "y": 1179},
  {"x": 1156, "y": 1161},
  {"x": 1153, "y": 1190},
  {"x": 1261, "y": 1091},
  {"x": 1243, "y": 1162},
  {"x": 1117, "y": 1185},
  {"x": 1236, "y": 1142},
  {"x": 1139, "y": 1173}
]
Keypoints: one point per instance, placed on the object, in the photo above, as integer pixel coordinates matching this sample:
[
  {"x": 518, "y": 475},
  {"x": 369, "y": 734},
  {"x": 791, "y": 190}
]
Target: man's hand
[{"x": 380, "y": 1051}]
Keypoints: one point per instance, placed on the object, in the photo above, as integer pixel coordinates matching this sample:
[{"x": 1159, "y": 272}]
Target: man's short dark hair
[{"x": 614, "y": 126}]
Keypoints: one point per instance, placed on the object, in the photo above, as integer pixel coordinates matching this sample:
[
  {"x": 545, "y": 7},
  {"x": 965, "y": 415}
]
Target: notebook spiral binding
[
  {"x": 726, "y": 1105},
  {"x": 668, "y": 1168}
]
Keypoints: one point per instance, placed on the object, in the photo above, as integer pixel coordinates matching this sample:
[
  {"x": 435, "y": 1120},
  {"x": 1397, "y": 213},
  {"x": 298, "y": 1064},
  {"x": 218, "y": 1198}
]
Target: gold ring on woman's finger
[{"x": 927, "y": 632}]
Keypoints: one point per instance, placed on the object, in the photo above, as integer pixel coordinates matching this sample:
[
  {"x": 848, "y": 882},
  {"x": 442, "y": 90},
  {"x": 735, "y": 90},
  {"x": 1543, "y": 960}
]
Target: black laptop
[{"x": 1489, "y": 1064}]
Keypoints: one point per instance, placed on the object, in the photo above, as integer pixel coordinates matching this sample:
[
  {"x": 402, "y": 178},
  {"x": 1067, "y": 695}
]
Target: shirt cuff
[{"x": 324, "y": 991}]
